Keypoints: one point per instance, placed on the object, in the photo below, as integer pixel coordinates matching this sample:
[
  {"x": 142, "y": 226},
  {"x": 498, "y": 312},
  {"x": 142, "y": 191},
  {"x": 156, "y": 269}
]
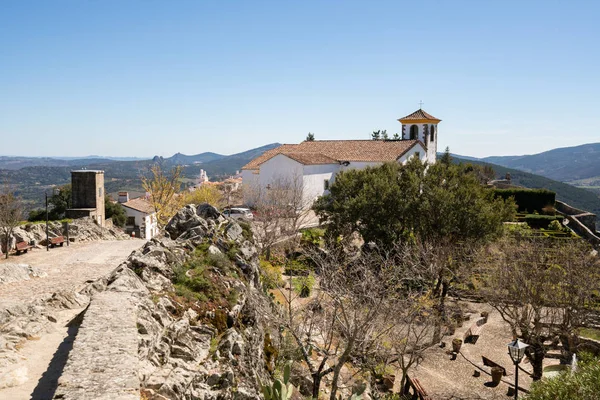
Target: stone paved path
[
  {"x": 67, "y": 268},
  {"x": 103, "y": 364}
]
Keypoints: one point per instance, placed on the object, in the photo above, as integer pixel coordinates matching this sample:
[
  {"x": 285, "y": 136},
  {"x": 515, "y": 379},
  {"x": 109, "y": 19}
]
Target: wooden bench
[
  {"x": 418, "y": 391},
  {"x": 472, "y": 334},
  {"x": 489, "y": 363},
  {"x": 22, "y": 247},
  {"x": 57, "y": 241}
]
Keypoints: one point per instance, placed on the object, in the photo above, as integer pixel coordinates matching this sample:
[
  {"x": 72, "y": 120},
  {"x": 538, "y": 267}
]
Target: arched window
[
  {"x": 414, "y": 132},
  {"x": 432, "y": 133}
]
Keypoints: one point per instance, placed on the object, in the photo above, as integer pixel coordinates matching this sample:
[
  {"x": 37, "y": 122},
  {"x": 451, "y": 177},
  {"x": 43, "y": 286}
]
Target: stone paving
[
  {"x": 103, "y": 364},
  {"x": 66, "y": 268}
]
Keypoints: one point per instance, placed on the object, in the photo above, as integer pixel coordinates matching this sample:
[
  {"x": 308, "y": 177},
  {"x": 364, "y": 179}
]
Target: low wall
[
  {"x": 103, "y": 363},
  {"x": 580, "y": 221}
]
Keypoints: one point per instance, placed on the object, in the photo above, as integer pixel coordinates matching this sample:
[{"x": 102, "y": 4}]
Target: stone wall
[{"x": 582, "y": 222}]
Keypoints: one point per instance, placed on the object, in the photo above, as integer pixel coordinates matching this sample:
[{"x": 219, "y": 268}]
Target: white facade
[
  {"x": 147, "y": 223},
  {"x": 314, "y": 179},
  {"x": 426, "y": 133}
]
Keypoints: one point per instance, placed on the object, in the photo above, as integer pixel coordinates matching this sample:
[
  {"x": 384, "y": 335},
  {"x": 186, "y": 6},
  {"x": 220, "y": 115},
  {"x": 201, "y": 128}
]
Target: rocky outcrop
[
  {"x": 18, "y": 272},
  {"x": 81, "y": 230},
  {"x": 194, "y": 347}
]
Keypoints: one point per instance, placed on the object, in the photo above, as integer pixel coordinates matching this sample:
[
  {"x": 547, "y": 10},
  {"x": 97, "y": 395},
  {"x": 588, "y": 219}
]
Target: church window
[
  {"x": 326, "y": 184},
  {"x": 414, "y": 132},
  {"x": 431, "y": 134},
  {"x": 417, "y": 154}
]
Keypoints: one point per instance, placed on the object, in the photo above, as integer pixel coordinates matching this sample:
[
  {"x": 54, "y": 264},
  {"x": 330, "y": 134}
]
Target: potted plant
[
  {"x": 485, "y": 315},
  {"x": 497, "y": 373},
  {"x": 456, "y": 344}
]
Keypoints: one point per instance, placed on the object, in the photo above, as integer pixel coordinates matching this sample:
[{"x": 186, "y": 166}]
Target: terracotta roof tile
[
  {"x": 309, "y": 158},
  {"x": 139, "y": 204},
  {"x": 419, "y": 115},
  {"x": 330, "y": 151}
]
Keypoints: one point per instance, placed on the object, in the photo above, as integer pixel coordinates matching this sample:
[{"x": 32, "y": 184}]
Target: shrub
[
  {"x": 583, "y": 384},
  {"x": 270, "y": 275},
  {"x": 539, "y": 221},
  {"x": 303, "y": 285},
  {"x": 312, "y": 236},
  {"x": 555, "y": 226}
]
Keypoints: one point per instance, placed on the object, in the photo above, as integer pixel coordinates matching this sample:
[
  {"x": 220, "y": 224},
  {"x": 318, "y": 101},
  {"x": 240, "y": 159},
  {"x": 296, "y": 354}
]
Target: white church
[{"x": 316, "y": 163}]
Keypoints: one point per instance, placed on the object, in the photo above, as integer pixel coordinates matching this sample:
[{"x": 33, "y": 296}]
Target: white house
[
  {"x": 141, "y": 217},
  {"x": 315, "y": 163}
]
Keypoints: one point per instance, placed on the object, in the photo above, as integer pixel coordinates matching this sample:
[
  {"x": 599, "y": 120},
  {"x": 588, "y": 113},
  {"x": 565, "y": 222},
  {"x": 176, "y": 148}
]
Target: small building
[
  {"x": 87, "y": 195},
  {"x": 141, "y": 217}
]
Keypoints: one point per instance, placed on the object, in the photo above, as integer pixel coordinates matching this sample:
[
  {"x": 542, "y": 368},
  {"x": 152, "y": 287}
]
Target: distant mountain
[
  {"x": 575, "y": 196},
  {"x": 182, "y": 159},
  {"x": 567, "y": 164},
  {"x": 32, "y": 180}
]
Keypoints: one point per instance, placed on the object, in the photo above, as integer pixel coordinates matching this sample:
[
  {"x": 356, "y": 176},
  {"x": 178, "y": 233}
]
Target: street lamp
[
  {"x": 47, "y": 238},
  {"x": 516, "y": 350}
]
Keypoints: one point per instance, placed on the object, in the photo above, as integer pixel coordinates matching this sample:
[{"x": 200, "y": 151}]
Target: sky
[{"x": 145, "y": 78}]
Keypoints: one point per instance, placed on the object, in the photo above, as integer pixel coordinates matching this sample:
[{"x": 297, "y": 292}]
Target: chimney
[{"x": 123, "y": 197}]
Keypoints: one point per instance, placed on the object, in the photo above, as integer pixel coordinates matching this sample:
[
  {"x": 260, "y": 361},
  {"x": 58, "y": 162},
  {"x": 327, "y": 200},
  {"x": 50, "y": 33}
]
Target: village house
[
  {"x": 314, "y": 164},
  {"x": 141, "y": 217}
]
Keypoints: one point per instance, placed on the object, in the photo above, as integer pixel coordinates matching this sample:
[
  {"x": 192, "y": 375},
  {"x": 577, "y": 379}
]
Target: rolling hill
[
  {"x": 567, "y": 164},
  {"x": 31, "y": 181}
]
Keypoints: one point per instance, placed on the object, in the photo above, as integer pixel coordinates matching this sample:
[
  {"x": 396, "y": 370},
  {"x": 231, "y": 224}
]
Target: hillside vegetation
[
  {"x": 574, "y": 196},
  {"x": 567, "y": 164}
]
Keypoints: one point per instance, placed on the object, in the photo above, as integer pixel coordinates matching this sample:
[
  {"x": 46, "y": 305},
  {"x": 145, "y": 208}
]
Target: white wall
[
  {"x": 411, "y": 153},
  {"x": 148, "y": 221},
  {"x": 314, "y": 180},
  {"x": 250, "y": 180},
  {"x": 279, "y": 167}
]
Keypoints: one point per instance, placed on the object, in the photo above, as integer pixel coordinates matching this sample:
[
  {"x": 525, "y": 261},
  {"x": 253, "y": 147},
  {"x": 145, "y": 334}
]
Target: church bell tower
[{"x": 424, "y": 127}]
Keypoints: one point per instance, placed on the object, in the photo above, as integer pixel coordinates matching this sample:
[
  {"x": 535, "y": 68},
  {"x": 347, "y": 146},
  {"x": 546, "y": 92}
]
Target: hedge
[
  {"x": 540, "y": 221},
  {"x": 529, "y": 200}
]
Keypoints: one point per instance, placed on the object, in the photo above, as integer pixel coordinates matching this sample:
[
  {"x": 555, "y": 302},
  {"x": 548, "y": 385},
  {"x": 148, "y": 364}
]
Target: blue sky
[{"x": 144, "y": 78}]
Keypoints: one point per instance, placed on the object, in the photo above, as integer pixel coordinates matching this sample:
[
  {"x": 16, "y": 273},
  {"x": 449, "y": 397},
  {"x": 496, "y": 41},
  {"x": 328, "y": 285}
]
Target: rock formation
[{"x": 199, "y": 316}]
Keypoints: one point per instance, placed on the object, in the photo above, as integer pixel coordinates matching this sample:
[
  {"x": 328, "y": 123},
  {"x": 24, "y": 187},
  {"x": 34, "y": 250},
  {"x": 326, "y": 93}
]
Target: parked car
[{"x": 238, "y": 212}]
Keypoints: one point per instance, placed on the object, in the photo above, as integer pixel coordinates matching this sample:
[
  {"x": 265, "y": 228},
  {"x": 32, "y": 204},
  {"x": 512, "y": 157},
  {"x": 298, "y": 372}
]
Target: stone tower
[
  {"x": 424, "y": 127},
  {"x": 87, "y": 195}
]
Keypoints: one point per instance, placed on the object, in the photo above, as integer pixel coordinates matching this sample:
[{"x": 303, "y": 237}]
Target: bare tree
[
  {"x": 361, "y": 304},
  {"x": 281, "y": 210},
  {"x": 11, "y": 214},
  {"x": 544, "y": 289}
]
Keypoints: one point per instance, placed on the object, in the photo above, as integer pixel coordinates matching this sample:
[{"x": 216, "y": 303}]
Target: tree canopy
[{"x": 394, "y": 202}]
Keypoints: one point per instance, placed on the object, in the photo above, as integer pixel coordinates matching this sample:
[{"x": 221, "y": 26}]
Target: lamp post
[{"x": 516, "y": 350}]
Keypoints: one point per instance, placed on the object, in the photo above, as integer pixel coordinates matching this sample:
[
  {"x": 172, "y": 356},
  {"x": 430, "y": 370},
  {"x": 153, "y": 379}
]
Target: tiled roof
[
  {"x": 331, "y": 151},
  {"x": 420, "y": 115},
  {"x": 139, "y": 204},
  {"x": 310, "y": 158}
]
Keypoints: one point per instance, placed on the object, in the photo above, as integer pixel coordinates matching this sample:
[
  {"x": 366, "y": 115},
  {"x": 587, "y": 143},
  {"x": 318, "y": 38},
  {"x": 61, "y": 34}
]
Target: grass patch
[{"x": 590, "y": 333}]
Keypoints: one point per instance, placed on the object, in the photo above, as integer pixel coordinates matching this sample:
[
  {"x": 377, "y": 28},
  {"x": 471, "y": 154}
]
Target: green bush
[
  {"x": 583, "y": 384},
  {"x": 539, "y": 221},
  {"x": 555, "y": 225},
  {"x": 312, "y": 236},
  {"x": 303, "y": 285},
  {"x": 270, "y": 275},
  {"x": 531, "y": 200}
]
